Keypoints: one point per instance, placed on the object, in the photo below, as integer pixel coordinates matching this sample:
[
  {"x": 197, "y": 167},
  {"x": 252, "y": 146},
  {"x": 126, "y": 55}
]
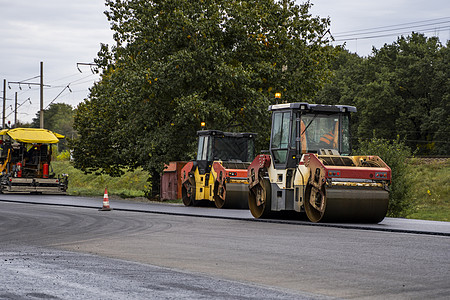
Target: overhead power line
[
  {"x": 91, "y": 65},
  {"x": 66, "y": 87},
  {"x": 90, "y": 75},
  {"x": 390, "y": 26},
  {"x": 65, "y": 77},
  {"x": 398, "y": 28},
  {"x": 394, "y": 30},
  {"x": 391, "y": 34},
  {"x": 29, "y": 79}
]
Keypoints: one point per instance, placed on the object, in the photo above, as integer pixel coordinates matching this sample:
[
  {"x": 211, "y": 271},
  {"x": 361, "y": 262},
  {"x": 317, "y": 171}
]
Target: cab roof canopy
[
  {"x": 32, "y": 135},
  {"x": 304, "y": 106},
  {"x": 219, "y": 133}
]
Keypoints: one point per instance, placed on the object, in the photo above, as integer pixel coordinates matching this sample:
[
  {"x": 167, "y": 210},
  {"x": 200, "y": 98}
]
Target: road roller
[
  {"x": 309, "y": 169},
  {"x": 219, "y": 174}
]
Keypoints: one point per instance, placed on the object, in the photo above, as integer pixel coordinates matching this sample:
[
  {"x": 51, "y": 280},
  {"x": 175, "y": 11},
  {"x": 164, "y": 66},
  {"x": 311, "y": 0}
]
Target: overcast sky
[{"x": 62, "y": 33}]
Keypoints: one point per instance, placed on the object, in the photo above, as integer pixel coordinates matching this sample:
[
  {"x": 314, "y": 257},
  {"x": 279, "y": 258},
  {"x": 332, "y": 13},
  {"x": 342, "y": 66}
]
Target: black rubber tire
[
  {"x": 187, "y": 201},
  {"x": 219, "y": 202},
  {"x": 261, "y": 211},
  {"x": 313, "y": 214}
]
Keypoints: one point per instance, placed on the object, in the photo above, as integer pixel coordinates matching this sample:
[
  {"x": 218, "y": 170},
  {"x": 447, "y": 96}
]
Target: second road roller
[
  {"x": 219, "y": 174},
  {"x": 309, "y": 168}
]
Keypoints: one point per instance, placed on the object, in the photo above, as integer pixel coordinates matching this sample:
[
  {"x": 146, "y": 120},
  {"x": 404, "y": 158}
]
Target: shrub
[
  {"x": 63, "y": 156},
  {"x": 395, "y": 154}
]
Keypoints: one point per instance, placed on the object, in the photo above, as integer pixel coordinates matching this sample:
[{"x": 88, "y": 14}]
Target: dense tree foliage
[
  {"x": 402, "y": 89},
  {"x": 58, "y": 117},
  {"x": 21, "y": 124},
  {"x": 180, "y": 62}
]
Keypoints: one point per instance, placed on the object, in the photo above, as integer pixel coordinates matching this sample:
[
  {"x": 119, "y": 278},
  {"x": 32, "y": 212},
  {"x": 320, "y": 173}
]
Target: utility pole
[
  {"x": 4, "y": 102},
  {"x": 41, "y": 85},
  {"x": 41, "y": 112},
  {"x": 15, "y": 112}
]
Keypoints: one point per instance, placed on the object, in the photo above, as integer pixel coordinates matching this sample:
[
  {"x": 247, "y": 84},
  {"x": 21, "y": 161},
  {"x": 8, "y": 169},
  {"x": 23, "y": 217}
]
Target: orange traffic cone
[{"x": 105, "y": 202}]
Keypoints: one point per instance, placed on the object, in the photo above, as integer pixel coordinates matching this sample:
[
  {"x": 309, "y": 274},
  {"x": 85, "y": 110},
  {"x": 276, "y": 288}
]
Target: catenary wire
[{"x": 388, "y": 26}]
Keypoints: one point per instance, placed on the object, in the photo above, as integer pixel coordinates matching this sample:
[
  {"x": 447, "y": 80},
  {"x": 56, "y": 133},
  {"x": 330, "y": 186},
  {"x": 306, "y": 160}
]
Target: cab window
[
  {"x": 280, "y": 136},
  {"x": 346, "y": 147},
  {"x": 203, "y": 147}
]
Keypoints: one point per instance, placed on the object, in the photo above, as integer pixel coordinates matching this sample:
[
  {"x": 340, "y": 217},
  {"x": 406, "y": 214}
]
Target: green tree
[
  {"x": 58, "y": 117},
  {"x": 401, "y": 89},
  {"x": 345, "y": 86},
  {"x": 23, "y": 125},
  {"x": 436, "y": 124},
  {"x": 178, "y": 63}
]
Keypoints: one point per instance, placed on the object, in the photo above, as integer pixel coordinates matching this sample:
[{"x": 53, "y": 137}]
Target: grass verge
[
  {"x": 130, "y": 185},
  {"x": 430, "y": 187}
]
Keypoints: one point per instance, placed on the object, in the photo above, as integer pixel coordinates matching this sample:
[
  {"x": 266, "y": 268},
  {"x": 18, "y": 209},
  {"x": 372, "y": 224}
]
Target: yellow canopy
[{"x": 32, "y": 135}]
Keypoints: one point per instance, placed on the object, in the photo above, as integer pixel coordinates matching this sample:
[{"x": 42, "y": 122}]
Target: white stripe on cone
[{"x": 105, "y": 199}]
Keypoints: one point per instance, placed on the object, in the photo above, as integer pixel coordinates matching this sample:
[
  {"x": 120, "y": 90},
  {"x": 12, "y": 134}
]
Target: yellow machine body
[{"x": 219, "y": 174}]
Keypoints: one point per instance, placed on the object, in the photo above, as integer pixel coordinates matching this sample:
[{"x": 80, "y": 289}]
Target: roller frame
[{"x": 358, "y": 199}]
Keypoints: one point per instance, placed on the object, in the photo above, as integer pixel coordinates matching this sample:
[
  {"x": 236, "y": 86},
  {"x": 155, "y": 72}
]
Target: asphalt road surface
[
  {"x": 55, "y": 252},
  {"x": 388, "y": 224}
]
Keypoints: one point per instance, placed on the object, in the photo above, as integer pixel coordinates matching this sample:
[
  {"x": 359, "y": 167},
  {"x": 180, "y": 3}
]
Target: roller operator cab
[
  {"x": 219, "y": 173},
  {"x": 309, "y": 168}
]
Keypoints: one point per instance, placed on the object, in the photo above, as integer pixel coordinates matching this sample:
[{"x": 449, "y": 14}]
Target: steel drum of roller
[
  {"x": 236, "y": 196},
  {"x": 349, "y": 204}
]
